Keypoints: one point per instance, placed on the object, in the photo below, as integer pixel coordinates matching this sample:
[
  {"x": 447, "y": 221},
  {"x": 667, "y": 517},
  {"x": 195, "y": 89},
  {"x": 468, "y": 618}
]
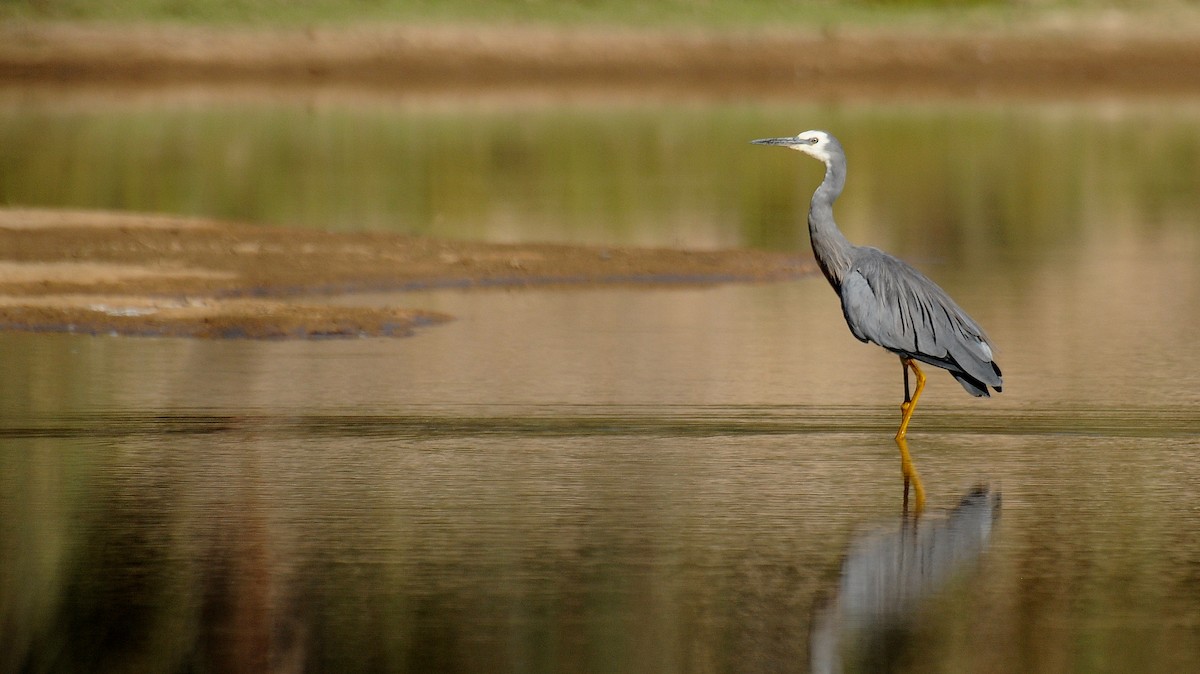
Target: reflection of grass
[
  {"x": 657, "y": 12},
  {"x": 632, "y": 175},
  {"x": 925, "y": 182}
]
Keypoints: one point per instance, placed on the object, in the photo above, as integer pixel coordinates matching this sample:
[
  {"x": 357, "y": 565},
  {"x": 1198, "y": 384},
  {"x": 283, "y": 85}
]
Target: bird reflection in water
[
  {"x": 885, "y": 577},
  {"x": 910, "y": 478}
]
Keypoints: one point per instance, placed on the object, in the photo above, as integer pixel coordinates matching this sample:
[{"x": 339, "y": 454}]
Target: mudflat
[{"x": 128, "y": 273}]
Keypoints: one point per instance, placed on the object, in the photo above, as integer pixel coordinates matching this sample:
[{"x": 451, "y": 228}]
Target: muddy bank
[
  {"x": 1117, "y": 54},
  {"x": 123, "y": 273}
]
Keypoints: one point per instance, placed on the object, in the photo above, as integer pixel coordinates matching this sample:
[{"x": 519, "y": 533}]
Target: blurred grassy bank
[{"x": 651, "y": 13}]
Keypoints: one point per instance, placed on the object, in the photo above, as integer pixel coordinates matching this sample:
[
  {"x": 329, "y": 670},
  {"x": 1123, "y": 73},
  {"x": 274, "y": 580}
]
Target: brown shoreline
[
  {"x": 1126, "y": 57},
  {"x": 138, "y": 274}
]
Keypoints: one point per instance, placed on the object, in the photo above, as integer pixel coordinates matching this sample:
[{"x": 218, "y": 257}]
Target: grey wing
[{"x": 887, "y": 302}]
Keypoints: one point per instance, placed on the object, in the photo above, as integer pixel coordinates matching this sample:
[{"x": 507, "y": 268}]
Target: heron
[{"x": 888, "y": 302}]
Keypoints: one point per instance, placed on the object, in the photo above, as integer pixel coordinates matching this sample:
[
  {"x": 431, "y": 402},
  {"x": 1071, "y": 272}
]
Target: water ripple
[{"x": 601, "y": 420}]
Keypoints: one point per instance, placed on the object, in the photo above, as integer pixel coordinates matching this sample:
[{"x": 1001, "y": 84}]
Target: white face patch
[{"x": 814, "y": 144}]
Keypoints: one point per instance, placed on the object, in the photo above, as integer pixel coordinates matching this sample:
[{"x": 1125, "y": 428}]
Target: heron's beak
[{"x": 791, "y": 140}]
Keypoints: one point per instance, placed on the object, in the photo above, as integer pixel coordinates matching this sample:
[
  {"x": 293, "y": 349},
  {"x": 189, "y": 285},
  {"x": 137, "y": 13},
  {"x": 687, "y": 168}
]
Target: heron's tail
[{"x": 975, "y": 386}]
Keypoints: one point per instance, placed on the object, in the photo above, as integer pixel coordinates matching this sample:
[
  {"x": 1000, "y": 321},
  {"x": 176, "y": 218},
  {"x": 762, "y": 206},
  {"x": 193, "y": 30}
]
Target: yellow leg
[
  {"x": 910, "y": 477},
  {"x": 907, "y": 407}
]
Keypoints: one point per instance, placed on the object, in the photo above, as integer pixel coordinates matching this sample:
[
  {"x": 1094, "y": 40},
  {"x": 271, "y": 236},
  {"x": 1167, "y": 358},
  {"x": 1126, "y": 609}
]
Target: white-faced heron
[{"x": 888, "y": 302}]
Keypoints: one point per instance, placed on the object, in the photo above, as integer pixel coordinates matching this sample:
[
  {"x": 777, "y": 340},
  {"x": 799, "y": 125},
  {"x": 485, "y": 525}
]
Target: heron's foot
[{"x": 910, "y": 402}]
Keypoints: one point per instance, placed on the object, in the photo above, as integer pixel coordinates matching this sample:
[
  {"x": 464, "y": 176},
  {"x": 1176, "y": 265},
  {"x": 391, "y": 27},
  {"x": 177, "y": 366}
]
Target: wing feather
[{"x": 890, "y": 303}]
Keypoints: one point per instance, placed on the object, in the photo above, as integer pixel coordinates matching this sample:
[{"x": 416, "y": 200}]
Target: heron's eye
[{"x": 813, "y": 140}]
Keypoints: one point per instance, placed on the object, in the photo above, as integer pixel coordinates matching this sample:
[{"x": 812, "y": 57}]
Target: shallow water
[{"x": 638, "y": 480}]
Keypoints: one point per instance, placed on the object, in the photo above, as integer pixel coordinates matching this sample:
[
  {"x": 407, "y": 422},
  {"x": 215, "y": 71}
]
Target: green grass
[{"x": 571, "y": 12}]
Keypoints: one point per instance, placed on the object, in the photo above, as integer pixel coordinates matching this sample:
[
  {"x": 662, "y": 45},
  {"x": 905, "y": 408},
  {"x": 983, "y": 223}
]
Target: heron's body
[{"x": 886, "y": 301}]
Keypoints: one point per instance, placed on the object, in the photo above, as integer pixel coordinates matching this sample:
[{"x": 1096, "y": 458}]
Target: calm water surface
[{"x": 624, "y": 480}]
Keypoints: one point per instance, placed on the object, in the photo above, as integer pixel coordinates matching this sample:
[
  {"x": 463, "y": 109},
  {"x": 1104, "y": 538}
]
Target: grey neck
[{"x": 829, "y": 245}]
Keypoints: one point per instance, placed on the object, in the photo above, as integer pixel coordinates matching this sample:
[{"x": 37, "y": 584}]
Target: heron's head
[{"x": 818, "y": 144}]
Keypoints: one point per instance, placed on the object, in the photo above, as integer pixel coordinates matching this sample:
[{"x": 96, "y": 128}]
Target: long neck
[{"x": 829, "y": 245}]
